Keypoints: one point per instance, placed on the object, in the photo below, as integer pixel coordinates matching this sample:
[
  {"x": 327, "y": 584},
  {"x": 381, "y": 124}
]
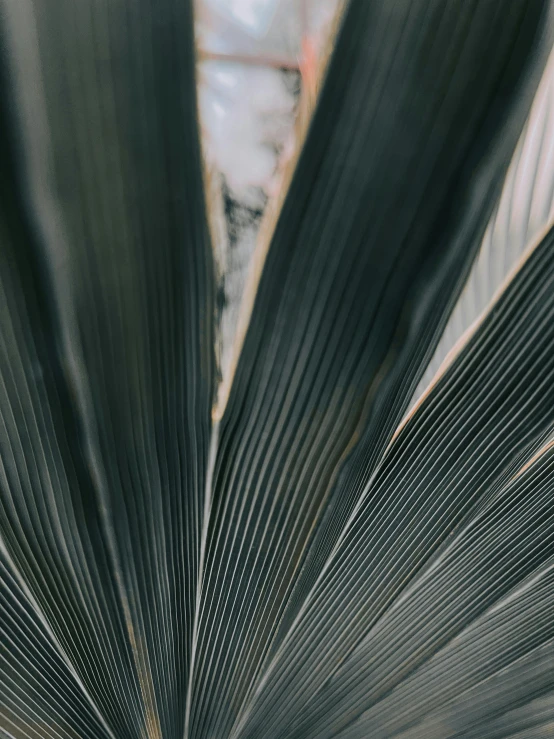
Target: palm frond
[
  {"x": 107, "y": 352},
  {"x": 302, "y": 552},
  {"x": 460, "y": 504}
]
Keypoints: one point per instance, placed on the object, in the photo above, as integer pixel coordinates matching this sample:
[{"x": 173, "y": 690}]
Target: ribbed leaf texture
[{"x": 356, "y": 538}]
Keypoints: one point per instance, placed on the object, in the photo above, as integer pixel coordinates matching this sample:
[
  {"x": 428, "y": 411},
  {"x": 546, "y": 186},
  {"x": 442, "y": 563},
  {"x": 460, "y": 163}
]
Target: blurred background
[{"x": 257, "y": 59}]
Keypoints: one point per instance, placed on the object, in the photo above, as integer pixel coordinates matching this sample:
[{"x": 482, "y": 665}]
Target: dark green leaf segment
[{"x": 308, "y": 567}]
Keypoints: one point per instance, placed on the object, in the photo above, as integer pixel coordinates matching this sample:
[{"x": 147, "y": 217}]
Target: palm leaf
[
  {"x": 523, "y": 210},
  {"x": 290, "y": 554}
]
